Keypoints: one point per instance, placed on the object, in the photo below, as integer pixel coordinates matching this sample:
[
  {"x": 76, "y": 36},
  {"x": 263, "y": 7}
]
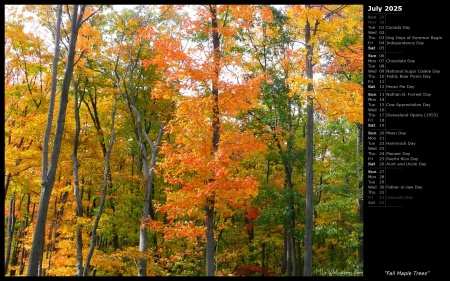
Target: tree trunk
[
  {"x": 299, "y": 258},
  {"x": 289, "y": 258},
  {"x": 23, "y": 233},
  {"x": 293, "y": 254},
  {"x": 52, "y": 96},
  {"x": 14, "y": 258},
  {"x": 143, "y": 238},
  {"x": 141, "y": 136},
  {"x": 307, "y": 266},
  {"x": 11, "y": 222},
  {"x": 49, "y": 177},
  {"x": 148, "y": 169},
  {"x": 284, "y": 260},
  {"x": 149, "y": 175},
  {"x": 210, "y": 238},
  {"x": 78, "y": 199},
  {"x": 210, "y": 268},
  {"x": 288, "y": 253},
  {"x": 8, "y": 176},
  {"x": 102, "y": 201}
]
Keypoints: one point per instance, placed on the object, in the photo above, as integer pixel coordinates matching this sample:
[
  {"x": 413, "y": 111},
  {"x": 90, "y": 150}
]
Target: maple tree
[
  {"x": 206, "y": 142},
  {"x": 282, "y": 113},
  {"x": 328, "y": 18},
  {"x": 187, "y": 147},
  {"x": 130, "y": 75}
]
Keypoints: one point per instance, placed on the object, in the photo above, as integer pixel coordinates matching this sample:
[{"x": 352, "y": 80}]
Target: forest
[{"x": 183, "y": 140}]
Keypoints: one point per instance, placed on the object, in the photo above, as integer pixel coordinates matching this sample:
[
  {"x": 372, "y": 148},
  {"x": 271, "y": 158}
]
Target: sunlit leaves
[{"x": 337, "y": 53}]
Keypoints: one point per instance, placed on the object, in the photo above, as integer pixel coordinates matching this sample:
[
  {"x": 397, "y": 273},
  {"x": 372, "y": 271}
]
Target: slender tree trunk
[
  {"x": 284, "y": 260},
  {"x": 210, "y": 268},
  {"x": 102, "y": 202},
  {"x": 288, "y": 253},
  {"x": 76, "y": 187},
  {"x": 149, "y": 174},
  {"x": 289, "y": 257},
  {"x": 309, "y": 196},
  {"x": 23, "y": 233},
  {"x": 53, "y": 234},
  {"x": 293, "y": 254},
  {"x": 148, "y": 169},
  {"x": 48, "y": 128},
  {"x": 307, "y": 266},
  {"x": 11, "y": 222},
  {"x": 49, "y": 177},
  {"x": 143, "y": 238},
  {"x": 299, "y": 258},
  {"x": 210, "y": 238},
  {"x": 140, "y": 133},
  {"x": 7, "y": 178}
]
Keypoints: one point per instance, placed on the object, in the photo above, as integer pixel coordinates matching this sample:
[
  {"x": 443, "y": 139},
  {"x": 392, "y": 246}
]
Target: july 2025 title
[{"x": 386, "y": 8}]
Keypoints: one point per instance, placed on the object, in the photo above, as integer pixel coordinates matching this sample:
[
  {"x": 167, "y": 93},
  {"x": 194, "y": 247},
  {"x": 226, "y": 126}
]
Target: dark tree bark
[
  {"x": 23, "y": 233},
  {"x": 284, "y": 260},
  {"x": 209, "y": 207},
  {"x": 10, "y": 231},
  {"x": 48, "y": 179},
  {"x": 52, "y": 96},
  {"x": 7, "y": 178},
  {"x": 307, "y": 266}
]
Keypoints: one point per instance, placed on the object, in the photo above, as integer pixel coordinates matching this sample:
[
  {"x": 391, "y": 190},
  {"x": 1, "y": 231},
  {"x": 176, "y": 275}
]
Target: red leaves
[
  {"x": 250, "y": 216},
  {"x": 252, "y": 213}
]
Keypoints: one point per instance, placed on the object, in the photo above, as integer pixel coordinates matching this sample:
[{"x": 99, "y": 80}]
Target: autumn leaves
[{"x": 208, "y": 143}]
